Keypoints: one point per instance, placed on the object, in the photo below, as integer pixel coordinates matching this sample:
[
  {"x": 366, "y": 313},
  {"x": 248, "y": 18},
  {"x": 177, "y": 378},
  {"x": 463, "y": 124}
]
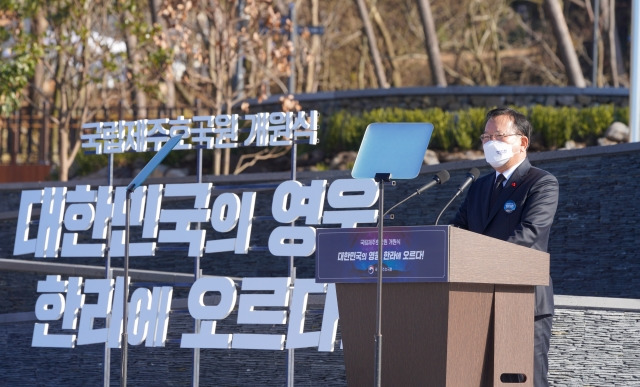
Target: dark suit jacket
[{"x": 534, "y": 194}]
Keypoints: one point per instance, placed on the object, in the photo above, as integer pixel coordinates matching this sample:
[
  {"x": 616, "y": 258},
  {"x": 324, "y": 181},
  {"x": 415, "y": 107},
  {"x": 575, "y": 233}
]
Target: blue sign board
[{"x": 411, "y": 254}]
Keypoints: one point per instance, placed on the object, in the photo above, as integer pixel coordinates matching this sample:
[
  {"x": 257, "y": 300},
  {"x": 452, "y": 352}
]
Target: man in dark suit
[{"x": 517, "y": 204}]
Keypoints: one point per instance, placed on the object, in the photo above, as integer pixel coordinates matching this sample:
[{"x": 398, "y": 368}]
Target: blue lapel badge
[{"x": 509, "y": 206}]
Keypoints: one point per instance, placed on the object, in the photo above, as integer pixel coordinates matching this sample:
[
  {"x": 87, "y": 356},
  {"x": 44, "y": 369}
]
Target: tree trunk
[
  {"x": 138, "y": 96},
  {"x": 388, "y": 42},
  {"x": 373, "y": 45},
  {"x": 565, "y": 45},
  {"x": 169, "y": 76},
  {"x": 612, "y": 44},
  {"x": 70, "y": 101},
  {"x": 37, "y": 93},
  {"x": 312, "y": 70},
  {"x": 431, "y": 41},
  {"x": 61, "y": 135}
]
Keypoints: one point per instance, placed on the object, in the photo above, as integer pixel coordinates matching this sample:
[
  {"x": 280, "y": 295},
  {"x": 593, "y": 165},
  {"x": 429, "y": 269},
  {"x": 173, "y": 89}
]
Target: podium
[{"x": 475, "y": 329}]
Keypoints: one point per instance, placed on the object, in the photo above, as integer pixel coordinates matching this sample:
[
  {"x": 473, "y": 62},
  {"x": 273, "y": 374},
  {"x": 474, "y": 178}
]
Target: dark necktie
[{"x": 497, "y": 188}]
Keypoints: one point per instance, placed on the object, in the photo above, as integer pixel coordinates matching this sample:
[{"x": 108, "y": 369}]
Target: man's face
[{"x": 502, "y": 129}]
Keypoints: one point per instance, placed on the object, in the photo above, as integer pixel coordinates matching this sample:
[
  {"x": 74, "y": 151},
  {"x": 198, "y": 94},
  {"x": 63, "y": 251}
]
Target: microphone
[
  {"x": 439, "y": 178},
  {"x": 472, "y": 175}
]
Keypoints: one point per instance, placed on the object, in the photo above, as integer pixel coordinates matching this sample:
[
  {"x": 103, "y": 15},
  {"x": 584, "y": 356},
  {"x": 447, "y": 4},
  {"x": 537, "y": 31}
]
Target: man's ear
[{"x": 524, "y": 142}]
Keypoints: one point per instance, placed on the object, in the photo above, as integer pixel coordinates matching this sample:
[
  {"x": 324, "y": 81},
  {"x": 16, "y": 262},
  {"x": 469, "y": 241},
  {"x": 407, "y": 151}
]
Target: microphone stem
[
  {"x": 447, "y": 206},
  {"x": 399, "y": 203}
]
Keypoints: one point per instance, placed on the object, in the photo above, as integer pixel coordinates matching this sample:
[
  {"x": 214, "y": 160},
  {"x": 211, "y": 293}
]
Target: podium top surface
[
  {"x": 396, "y": 148},
  {"x": 477, "y": 258}
]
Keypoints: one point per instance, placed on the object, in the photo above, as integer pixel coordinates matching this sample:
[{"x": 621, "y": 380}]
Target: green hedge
[{"x": 459, "y": 130}]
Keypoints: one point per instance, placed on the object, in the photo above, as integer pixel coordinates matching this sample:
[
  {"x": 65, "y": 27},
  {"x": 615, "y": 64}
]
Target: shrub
[
  {"x": 459, "y": 130},
  {"x": 344, "y": 132},
  {"x": 467, "y": 128},
  {"x": 593, "y": 122},
  {"x": 554, "y": 126}
]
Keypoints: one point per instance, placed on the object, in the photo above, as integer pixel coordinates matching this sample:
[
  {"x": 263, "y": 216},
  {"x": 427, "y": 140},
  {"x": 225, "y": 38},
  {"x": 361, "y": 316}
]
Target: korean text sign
[
  {"x": 410, "y": 254},
  {"x": 74, "y": 223}
]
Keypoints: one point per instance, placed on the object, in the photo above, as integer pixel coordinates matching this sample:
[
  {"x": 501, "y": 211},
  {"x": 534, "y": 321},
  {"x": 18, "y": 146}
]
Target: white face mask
[{"x": 497, "y": 153}]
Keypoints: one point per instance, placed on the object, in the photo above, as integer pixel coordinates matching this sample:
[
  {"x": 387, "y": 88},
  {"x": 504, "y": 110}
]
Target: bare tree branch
[{"x": 248, "y": 160}]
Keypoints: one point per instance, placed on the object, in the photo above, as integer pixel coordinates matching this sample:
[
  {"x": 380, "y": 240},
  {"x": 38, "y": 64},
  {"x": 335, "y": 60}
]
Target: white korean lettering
[
  {"x": 180, "y": 126},
  {"x": 292, "y": 200},
  {"x": 290, "y": 241},
  {"x": 362, "y": 193},
  {"x": 22, "y": 244},
  {"x": 259, "y": 129},
  {"x": 159, "y": 334},
  {"x": 115, "y": 324},
  {"x": 87, "y": 334},
  {"x": 138, "y": 201},
  {"x": 113, "y": 135},
  {"x": 138, "y": 319},
  {"x": 221, "y": 131},
  {"x": 228, "y": 212},
  {"x": 79, "y": 216},
  {"x": 329, "y": 320},
  {"x": 50, "y": 227},
  {"x": 104, "y": 212},
  {"x": 50, "y": 306},
  {"x": 207, "y": 336},
  {"x": 152, "y": 211},
  {"x": 296, "y": 337},
  {"x": 247, "y": 313},
  {"x": 145, "y": 204},
  {"x": 136, "y": 133},
  {"x": 202, "y": 132},
  {"x": 280, "y": 126},
  {"x": 149, "y": 316},
  {"x": 226, "y": 131},
  {"x": 157, "y": 134},
  {"x": 264, "y": 301},
  {"x": 73, "y": 303},
  {"x": 184, "y": 218},
  {"x": 92, "y": 140},
  {"x": 303, "y": 128}
]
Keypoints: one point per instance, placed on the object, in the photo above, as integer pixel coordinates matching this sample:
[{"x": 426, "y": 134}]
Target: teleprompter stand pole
[
  {"x": 381, "y": 179},
  {"x": 135, "y": 183},
  {"x": 125, "y": 293},
  {"x": 397, "y": 149}
]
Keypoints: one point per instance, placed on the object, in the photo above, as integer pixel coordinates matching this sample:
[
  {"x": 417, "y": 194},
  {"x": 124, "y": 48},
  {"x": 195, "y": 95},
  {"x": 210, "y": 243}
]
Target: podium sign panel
[{"x": 411, "y": 254}]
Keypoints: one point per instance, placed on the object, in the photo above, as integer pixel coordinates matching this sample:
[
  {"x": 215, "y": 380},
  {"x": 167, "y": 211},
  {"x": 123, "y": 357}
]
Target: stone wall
[
  {"x": 594, "y": 251},
  {"x": 591, "y": 347}
]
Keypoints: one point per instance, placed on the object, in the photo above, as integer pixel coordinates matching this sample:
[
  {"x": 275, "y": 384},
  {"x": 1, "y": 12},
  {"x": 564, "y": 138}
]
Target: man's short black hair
[{"x": 521, "y": 123}]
